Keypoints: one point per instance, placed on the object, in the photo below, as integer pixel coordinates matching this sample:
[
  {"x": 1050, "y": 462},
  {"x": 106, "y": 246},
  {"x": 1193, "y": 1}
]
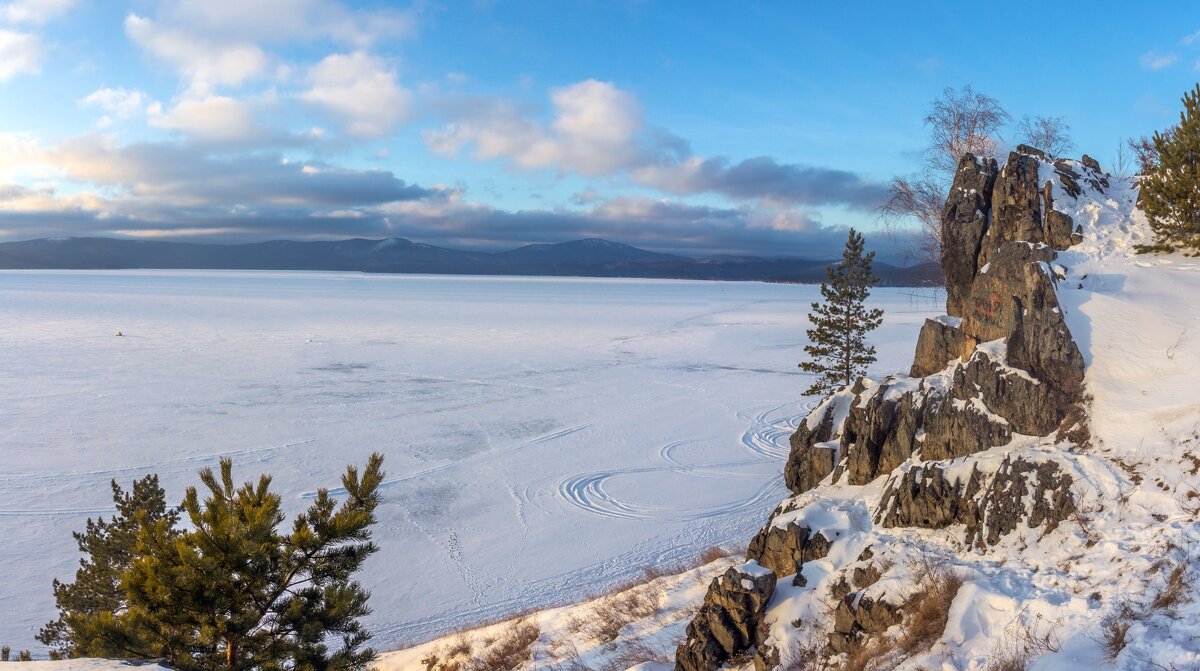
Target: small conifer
[
  {"x": 1170, "y": 193},
  {"x": 838, "y": 351}
]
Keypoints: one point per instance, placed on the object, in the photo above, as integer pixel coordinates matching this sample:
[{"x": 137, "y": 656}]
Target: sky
[{"x": 697, "y": 128}]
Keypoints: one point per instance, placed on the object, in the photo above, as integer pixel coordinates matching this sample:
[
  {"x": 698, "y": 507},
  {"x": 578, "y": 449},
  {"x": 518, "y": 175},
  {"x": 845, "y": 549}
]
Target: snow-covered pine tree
[
  {"x": 838, "y": 351},
  {"x": 1170, "y": 194}
]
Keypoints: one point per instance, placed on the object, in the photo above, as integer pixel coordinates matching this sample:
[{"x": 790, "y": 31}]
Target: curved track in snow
[{"x": 766, "y": 439}]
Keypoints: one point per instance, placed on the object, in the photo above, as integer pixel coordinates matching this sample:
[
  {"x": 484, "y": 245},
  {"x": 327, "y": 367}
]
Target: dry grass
[
  {"x": 1024, "y": 638},
  {"x": 631, "y": 654},
  {"x": 613, "y": 613},
  {"x": 504, "y": 651},
  {"x": 1175, "y": 589},
  {"x": 926, "y": 611},
  {"x": 712, "y": 554},
  {"x": 1116, "y": 631},
  {"x": 1008, "y": 660},
  {"x": 925, "y": 616},
  {"x": 512, "y": 648}
]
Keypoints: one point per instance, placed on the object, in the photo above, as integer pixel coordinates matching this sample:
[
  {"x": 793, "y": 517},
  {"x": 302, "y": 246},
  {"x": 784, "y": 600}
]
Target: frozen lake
[{"x": 544, "y": 437}]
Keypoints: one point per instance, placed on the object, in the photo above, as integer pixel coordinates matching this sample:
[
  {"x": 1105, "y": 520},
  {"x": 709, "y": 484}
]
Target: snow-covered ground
[{"x": 544, "y": 437}]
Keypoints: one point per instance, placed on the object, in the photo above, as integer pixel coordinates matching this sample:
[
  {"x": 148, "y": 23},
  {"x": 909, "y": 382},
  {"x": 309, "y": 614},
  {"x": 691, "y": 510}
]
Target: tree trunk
[{"x": 230, "y": 654}]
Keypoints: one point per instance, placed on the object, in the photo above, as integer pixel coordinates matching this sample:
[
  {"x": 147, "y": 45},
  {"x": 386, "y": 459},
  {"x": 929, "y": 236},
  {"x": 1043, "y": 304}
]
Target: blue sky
[{"x": 698, "y": 127}]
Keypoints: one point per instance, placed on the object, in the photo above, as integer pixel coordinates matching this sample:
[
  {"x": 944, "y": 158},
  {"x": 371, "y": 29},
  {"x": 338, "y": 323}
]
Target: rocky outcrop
[
  {"x": 729, "y": 619},
  {"x": 814, "y": 446},
  {"x": 991, "y": 506},
  {"x": 1000, "y": 365},
  {"x": 965, "y": 220},
  {"x": 784, "y": 549},
  {"x": 1037, "y": 493},
  {"x": 925, "y": 497},
  {"x": 858, "y": 616},
  {"x": 939, "y": 342}
]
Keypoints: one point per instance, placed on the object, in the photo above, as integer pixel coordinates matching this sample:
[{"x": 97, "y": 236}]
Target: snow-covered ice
[{"x": 544, "y": 437}]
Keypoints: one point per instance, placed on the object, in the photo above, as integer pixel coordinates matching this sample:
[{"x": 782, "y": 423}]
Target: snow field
[{"x": 544, "y": 438}]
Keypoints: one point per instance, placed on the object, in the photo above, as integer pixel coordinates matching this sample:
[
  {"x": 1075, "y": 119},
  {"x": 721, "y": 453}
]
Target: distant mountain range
[{"x": 584, "y": 258}]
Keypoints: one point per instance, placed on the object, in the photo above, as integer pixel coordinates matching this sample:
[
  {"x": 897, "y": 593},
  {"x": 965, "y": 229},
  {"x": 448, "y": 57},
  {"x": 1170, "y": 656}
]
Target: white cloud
[
  {"x": 34, "y": 11},
  {"x": 214, "y": 118},
  {"x": 595, "y": 131},
  {"x": 1152, "y": 60},
  {"x": 361, "y": 91},
  {"x": 117, "y": 104},
  {"x": 284, "y": 20},
  {"x": 19, "y": 53},
  {"x": 205, "y": 63}
]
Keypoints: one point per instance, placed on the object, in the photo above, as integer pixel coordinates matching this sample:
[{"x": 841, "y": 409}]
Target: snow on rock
[{"x": 1045, "y": 451}]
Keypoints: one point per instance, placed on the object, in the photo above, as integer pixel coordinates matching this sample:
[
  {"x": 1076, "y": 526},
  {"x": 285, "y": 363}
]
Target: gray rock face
[
  {"x": 1039, "y": 341},
  {"x": 1016, "y": 204},
  {"x": 728, "y": 621},
  {"x": 1004, "y": 504},
  {"x": 858, "y": 616},
  {"x": 991, "y": 506},
  {"x": 965, "y": 220},
  {"x": 998, "y": 286},
  {"x": 807, "y": 464},
  {"x": 783, "y": 550},
  {"x": 925, "y": 498},
  {"x": 937, "y": 345},
  {"x": 880, "y": 435}
]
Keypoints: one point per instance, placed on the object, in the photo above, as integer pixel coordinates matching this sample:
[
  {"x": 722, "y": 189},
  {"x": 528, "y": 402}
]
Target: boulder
[
  {"x": 728, "y": 621},
  {"x": 857, "y": 615},
  {"x": 784, "y": 549},
  {"x": 938, "y": 343}
]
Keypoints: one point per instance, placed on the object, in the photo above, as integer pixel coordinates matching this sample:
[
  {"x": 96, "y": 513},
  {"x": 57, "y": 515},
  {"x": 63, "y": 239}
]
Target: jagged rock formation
[
  {"x": 1000, "y": 365},
  {"x": 784, "y": 549},
  {"x": 728, "y": 621}
]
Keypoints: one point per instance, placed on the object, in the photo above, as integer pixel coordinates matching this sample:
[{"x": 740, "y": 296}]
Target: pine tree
[
  {"x": 108, "y": 548},
  {"x": 1170, "y": 194},
  {"x": 233, "y": 593},
  {"x": 838, "y": 352}
]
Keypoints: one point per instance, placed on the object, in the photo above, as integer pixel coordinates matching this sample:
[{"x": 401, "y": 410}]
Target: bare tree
[
  {"x": 1123, "y": 162},
  {"x": 1050, "y": 134},
  {"x": 1145, "y": 151},
  {"x": 961, "y": 121}
]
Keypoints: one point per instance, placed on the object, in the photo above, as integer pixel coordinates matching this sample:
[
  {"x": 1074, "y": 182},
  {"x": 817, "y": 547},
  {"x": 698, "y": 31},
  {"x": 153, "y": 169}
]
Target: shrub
[
  {"x": 926, "y": 611},
  {"x": 513, "y": 647},
  {"x": 234, "y": 592},
  {"x": 1116, "y": 630}
]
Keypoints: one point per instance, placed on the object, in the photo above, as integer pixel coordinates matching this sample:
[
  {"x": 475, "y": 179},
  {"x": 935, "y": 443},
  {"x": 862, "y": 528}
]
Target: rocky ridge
[{"x": 977, "y": 438}]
